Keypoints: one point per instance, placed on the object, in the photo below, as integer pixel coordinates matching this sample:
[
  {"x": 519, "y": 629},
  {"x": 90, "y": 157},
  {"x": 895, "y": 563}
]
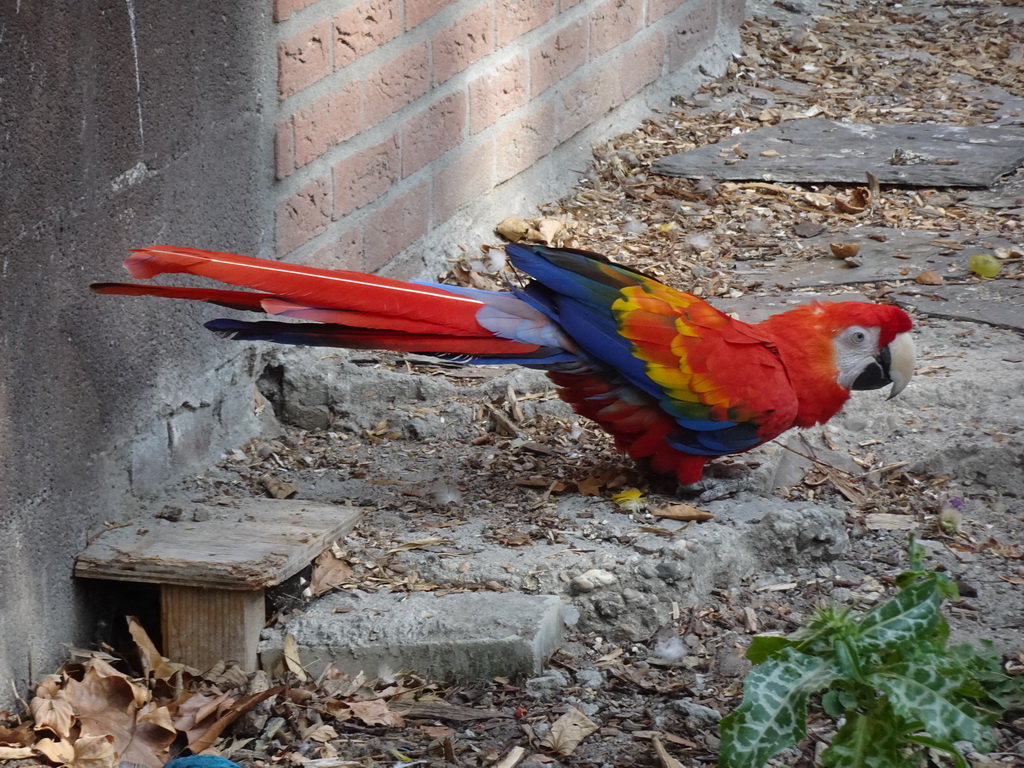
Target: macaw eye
[{"x": 859, "y": 336}]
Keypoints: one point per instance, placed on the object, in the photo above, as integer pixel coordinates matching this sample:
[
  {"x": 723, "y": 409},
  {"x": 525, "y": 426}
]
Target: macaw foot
[{"x": 722, "y": 480}]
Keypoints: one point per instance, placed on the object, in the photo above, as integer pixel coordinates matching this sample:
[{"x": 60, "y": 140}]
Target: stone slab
[
  {"x": 900, "y": 256},
  {"x": 819, "y": 150},
  {"x": 993, "y": 302},
  {"x": 464, "y": 636}
]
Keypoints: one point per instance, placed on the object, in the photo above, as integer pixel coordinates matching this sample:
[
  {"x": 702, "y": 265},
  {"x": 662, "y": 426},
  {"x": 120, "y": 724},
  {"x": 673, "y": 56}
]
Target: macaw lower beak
[{"x": 893, "y": 365}]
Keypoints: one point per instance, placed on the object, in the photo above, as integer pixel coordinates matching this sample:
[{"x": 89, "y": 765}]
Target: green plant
[{"x": 888, "y": 673}]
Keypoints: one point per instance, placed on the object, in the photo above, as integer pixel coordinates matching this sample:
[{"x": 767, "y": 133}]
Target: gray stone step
[{"x": 463, "y": 636}]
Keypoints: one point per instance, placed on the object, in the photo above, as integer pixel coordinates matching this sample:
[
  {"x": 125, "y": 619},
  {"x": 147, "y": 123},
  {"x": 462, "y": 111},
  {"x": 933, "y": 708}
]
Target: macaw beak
[
  {"x": 893, "y": 365},
  {"x": 901, "y": 362}
]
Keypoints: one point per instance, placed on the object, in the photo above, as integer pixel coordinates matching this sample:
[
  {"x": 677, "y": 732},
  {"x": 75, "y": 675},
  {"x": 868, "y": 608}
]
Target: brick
[
  {"x": 363, "y": 28},
  {"x": 525, "y": 142},
  {"x": 468, "y": 177},
  {"x": 692, "y": 31},
  {"x": 329, "y": 120},
  {"x": 418, "y": 11},
  {"x": 431, "y": 133},
  {"x": 397, "y": 83},
  {"x": 514, "y": 18},
  {"x": 658, "y": 8},
  {"x": 396, "y": 226},
  {"x": 345, "y": 251},
  {"x": 303, "y": 59},
  {"x": 365, "y": 176},
  {"x": 284, "y": 148},
  {"x": 496, "y": 93},
  {"x": 283, "y": 9},
  {"x": 641, "y": 64},
  {"x": 304, "y": 215},
  {"x": 461, "y": 43},
  {"x": 612, "y": 23},
  {"x": 557, "y": 56},
  {"x": 589, "y": 99}
]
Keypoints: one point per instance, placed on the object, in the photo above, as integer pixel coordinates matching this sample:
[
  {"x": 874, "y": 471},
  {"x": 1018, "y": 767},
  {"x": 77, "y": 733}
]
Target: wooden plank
[
  {"x": 257, "y": 544},
  {"x": 203, "y": 626}
]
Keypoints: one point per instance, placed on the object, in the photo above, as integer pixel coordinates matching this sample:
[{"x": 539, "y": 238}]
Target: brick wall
[{"x": 397, "y": 116}]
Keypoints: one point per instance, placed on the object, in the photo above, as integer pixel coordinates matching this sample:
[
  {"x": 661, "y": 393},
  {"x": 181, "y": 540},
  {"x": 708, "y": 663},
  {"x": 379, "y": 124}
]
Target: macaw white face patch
[{"x": 856, "y": 348}]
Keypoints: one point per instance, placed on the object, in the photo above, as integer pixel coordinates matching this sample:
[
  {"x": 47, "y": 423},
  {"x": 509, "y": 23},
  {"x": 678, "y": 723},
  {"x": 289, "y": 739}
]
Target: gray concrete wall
[{"x": 122, "y": 123}]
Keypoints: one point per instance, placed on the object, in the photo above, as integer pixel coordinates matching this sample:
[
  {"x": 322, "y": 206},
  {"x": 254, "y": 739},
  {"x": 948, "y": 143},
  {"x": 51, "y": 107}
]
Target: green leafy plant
[{"x": 888, "y": 673}]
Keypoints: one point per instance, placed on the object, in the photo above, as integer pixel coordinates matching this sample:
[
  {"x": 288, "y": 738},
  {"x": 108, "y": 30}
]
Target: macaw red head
[
  {"x": 831, "y": 349},
  {"x": 871, "y": 344}
]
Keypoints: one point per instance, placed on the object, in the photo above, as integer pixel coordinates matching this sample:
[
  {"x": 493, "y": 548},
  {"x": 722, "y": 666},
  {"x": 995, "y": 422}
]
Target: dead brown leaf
[
  {"x": 684, "y": 512},
  {"x": 153, "y": 663},
  {"x": 568, "y": 731},
  {"x": 19, "y": 736},
  {"x": 215, "y": 713},
  {"x": 109, "y": 703},
  {"x": 590, "y": 486},
  {"x": 56, "y": 750},
  {"x": 292, "y": 661},
  {"x": 329, "y": 572},
  {"x": 53, "y": 713},
  {"x": 278, "y": 489},
  {"x": 95, "y": 752},
  {"x": 16, "y": 753},
  {"x": 375, "y": 712}
]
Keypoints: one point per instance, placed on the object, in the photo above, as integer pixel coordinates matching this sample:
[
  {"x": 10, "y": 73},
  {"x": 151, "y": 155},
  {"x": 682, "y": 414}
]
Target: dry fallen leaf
[
  {"x": 419, "y": 544},
  {"x": 568, "y": 731},
  {"x": 109, "y": 703},
  {"x": 329, "y": 571},
  {"x": 56, "y": 750},
  {"x": 16, "y": 753},
  {"x": 153, "y": 663},
  {"x": 514, "y": 229},
  {"x": 278, "y": 489},
  {"x": 929, "y": 277},
  {"x": 54, "y": 713},
  {"x": 95, "y": 752},
  {"x": 682, "y": 512},
  {"x": 291, "y": 657},
  {"x": 375, "y": 712},
  {"x": 19, "y": 736}
]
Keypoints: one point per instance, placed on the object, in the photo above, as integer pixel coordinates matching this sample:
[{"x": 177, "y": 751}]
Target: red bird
[{"x": 671, "y": 378}]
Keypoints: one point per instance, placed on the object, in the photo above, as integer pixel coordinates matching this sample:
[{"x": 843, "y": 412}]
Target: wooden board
[
  {"x": 204, "y": 626},
  {"x": 257, "y": 544},
  {"x": 818, "y": 150}
]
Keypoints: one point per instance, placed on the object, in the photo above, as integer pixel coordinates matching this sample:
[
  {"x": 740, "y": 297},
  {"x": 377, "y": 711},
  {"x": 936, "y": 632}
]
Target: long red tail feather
[{"x": 330, "y": 289}]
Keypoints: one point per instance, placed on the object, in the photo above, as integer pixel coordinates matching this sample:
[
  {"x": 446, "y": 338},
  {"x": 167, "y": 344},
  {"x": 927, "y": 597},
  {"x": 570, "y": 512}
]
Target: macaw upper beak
[
  {"x": 894, "y": 365},
  {"x": 901, "y": 362}
]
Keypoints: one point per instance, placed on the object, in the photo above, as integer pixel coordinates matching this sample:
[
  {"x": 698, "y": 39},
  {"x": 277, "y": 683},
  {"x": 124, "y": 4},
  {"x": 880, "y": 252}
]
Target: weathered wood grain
[{"x": 257, "y": 544}]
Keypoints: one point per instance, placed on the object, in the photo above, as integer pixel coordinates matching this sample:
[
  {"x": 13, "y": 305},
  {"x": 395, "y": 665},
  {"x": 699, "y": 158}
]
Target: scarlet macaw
[{"x": 671, "y": 378}]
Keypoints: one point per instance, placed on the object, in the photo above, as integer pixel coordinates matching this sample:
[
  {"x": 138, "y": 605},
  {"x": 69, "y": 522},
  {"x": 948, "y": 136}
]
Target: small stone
[
  {"x": 591, "y": 580},
  {"x": 697, "y": 713}
]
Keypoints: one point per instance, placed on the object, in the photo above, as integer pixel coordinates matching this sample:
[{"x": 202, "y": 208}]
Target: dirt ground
[{"x": 481, "y": 479}]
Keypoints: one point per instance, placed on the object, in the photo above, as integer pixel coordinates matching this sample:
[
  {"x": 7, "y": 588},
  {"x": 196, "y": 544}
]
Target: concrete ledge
[{"x": 466, "y": 636}]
